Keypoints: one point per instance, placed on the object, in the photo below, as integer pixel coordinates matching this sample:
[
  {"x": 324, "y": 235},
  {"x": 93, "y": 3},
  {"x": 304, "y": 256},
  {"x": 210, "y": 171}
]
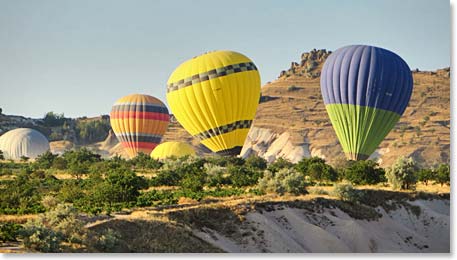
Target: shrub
[
  {"x": 242, "y": 176},
  {"x": 317, "y": 169},
  {"x": 107, "y": 241},
  {"x": 9, "y": 232},
  {"x": 79, "y": 161},
  {"x": 155, "y": 197},
  {"x": 285, "y": 180},
  {"x": 48, "y": 231},
  {"x": 122, "y": 185},
  {"x": 59, "y": 163},
  {"x": 215, "y": 175},
  {"x": 443, "y": 174},
  {"x": 173, "y": 171},
  {"x": 401, "y": 175},
  {"x": 364, "y": 172},
  {"x": 425, "y": 175},
  {"x": 256, "y": 162},
  {"x": 145, "y": 161},
  {"x": 346, "y": 192},
  {"x": 280, "y": 163},
  {"x": 45, "y": 160},
  {"x": 2, "y": 157},
  {"x": 225, "y": 161},
  {"x": 193, "y": 181}
]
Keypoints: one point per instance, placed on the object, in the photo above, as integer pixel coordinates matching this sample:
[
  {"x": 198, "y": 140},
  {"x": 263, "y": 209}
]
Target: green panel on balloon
[{"x": 360, "y": 129}]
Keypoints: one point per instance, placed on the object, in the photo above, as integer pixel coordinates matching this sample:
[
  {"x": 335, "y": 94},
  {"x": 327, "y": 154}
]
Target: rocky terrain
[
  {"x": 386, "y": 222},
  {"x": 292, "y": 122}
]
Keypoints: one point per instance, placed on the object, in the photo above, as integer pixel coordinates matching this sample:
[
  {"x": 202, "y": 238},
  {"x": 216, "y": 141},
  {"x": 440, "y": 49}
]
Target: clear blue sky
[{"x": 78, "y": 56}]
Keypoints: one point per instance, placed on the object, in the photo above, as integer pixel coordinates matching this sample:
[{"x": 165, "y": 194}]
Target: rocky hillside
[
  {"x": 383, "y": 222},
  {"x": 292, "y": 122}
]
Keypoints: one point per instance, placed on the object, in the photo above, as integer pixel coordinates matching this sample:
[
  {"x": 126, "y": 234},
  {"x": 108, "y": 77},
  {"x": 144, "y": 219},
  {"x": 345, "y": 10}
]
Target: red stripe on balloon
[{"x": 141, "y": 115}]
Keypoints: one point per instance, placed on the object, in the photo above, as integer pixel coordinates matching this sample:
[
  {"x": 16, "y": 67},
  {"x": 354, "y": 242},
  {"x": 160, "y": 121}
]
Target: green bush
[
  {"x": 49, "y": 231},
  {"x": 242, "y": 176},
  {"x": 52, "y": 119},
  {"x": 256, "y": 162},
  {"x": 154, "y": 198},
  {"x": 425, "y": 175},
  {"x": 316, "y": 169},
  {"x": 9, "y": 232},
  {"x": 144, "y": 161},
  {"x": 346, "y": 192},
  {"x": 285, "y": 180},
  {"x": 193, "y": 181},
  {"x": 443, "y": 174},
  {"x": 79, "y": 161},
  {"x": 401, "y": 175},
  {"x": 59, "y": 163},
  {"x": 215, "y": 175},
  {"x": 280, "y": 163},
  {"x": 364, "y": 173},
  {"x": 45, "y": 160}
]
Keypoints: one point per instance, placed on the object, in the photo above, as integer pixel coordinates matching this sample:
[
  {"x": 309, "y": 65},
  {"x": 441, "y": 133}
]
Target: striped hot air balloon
[
  {"x": 366, "y": 90},
  {"x": 139, "y": 122},
  {"x": 172, "y": 149},
  {"x": 215, "y": 96}
]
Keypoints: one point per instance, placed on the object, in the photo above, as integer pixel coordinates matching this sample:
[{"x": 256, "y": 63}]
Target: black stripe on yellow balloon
[
  {"x": 224, "y": 129},
  {"x": 215, "y": 73}
]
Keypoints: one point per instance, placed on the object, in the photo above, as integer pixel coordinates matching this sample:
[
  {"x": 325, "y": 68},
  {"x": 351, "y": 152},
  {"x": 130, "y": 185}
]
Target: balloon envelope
[
  {"x": 23, "y": 142},
  {"x": 365, "y": 89},
  {"x": 215, "y": 96},
  {"x": 139, "y": 122},
  {"x": 172, "y": 149}
]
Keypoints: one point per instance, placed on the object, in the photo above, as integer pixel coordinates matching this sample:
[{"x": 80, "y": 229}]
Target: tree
[
  {"x": 45, "y": 160},
  {"x": 2, "y": 157},
  {"x": 316, "y": 169},
  {"x": 285, "y": 180},
  {"x": 425, "y": 175},
  {"x": 242, "y": 176},
  {"x": 122, "y": 185},
  {"x": 24, "y": 158},
  {"x": 443, "y": 174},
  {"x": 52, "y": 119},
  {"x": 401, "y": 175},
  {"x": 364, "y": 173},
  {"x": 280, "y": 163},
  {"x": 256, "y": 162},
  {"x": 79, "y": 161}
]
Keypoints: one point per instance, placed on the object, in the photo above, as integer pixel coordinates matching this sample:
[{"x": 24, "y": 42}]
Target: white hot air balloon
[{"x": 23, "y": 142}]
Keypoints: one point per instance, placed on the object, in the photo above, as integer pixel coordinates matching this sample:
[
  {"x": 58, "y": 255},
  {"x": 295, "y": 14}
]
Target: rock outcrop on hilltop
[{"x": 308, "y": 66}]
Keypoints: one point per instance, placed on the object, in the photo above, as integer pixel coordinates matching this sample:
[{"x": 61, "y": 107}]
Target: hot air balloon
[
  {"x": 139, "y": 122},
  {"x": 172, "y": 149},
  {"x": 23, "y": 142},
  {"x": 215, "y": 96},
  {"x": 366, "y": 90}
]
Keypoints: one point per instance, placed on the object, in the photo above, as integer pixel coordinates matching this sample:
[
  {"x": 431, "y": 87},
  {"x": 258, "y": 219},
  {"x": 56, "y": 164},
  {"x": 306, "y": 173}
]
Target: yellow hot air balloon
[
  {"x": 172, "y": 149},
  {"x": 215, "y": 96},
  {"x": 139, "y": 122}
]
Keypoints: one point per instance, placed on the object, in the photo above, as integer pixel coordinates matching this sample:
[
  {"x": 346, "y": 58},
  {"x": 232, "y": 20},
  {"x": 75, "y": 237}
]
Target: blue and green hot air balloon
[{"x": 366, "y": 89}]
